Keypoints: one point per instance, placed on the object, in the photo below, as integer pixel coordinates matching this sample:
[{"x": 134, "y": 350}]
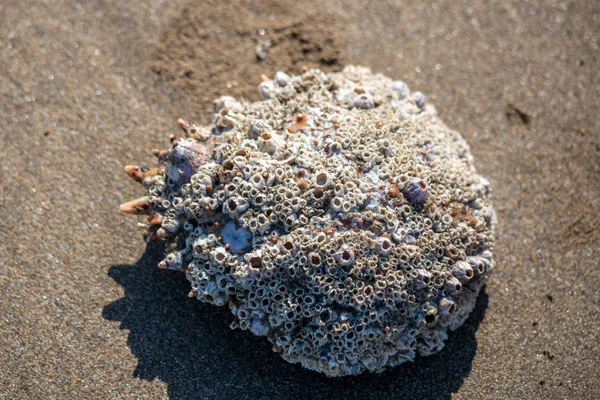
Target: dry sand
[{"x": 87, "y": 87}]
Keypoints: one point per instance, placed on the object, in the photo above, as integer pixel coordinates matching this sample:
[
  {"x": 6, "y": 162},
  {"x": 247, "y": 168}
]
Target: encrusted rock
[{"x": 338, "y": 217}]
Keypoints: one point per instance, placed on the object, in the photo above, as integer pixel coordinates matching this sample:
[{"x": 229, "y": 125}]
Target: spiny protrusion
[
  {"x": 155, "y": 220},
  {"x": 192, "y": 131},
  {"x": 142, "y": 174},
  {"x": 158, "y": 153},
  {"x": 141, "y": 206},
  {"x": 163, "y": 157},
  {"x": 183, "y": 124}
]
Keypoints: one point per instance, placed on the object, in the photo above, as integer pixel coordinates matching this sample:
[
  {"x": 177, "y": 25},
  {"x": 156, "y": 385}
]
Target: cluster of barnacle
[{"x": 338, "y": 217}]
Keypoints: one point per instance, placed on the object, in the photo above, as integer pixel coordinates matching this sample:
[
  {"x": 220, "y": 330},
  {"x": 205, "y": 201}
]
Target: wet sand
[{"x": 89, "y": 87}]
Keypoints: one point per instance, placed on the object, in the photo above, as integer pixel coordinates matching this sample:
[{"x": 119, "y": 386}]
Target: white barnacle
[
  {"x": 384, "y": 246},
  {"x": 282, "y": 79},
  {"x": 400, "y": 88},
  {"x": 345, "y": 256},
  {"x": 266, "y": 90}
]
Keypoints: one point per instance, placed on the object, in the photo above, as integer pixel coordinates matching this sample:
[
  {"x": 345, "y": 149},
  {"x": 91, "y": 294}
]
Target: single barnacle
[
  {"x": 419, "y": 99},
  {"x": 384, "y": 246},
  {"x": 479, "y": 264},
  {"x": 446, "y": 306},
  {"x": 431, "y": 316},
  {"x": 282, "y": 79},
  {"x": 345, "y": 256},
  {"x": 415, "y": 191},
  {"x": 266, "y": 90},
  {"x": 270, "y": 143},
  {"x": 385, "y": 147},
  {"x": 463, "y": 271},
  {"x": 400, "y": 89},
  {"x": 314, "y": 259},
  {"x": 235, "y": 206},
  {"x": 185, "y": 158},
  {"x": 409, "y": 240},
  {"x": 423, "y": 278},
  {"x": 172, "y": 261},
  {"x": 363, "y": 101},
  {"x": 227, "y": 103},
  {"x": 453, "y": 286}
]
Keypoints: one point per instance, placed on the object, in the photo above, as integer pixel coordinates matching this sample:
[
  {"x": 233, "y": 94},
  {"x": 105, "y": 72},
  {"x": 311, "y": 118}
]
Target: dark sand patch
[{"x": 208, "y": 51}]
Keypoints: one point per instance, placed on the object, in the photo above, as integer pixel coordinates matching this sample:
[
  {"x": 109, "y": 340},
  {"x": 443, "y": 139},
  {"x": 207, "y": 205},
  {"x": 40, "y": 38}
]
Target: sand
[{"x": 88, "y": 87}]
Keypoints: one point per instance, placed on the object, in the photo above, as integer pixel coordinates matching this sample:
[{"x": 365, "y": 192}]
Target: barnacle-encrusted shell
[{"x": 338, "y": 217}]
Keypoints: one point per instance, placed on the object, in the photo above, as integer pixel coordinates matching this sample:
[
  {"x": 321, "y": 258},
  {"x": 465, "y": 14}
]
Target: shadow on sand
[{"x": 189, "y": 346}]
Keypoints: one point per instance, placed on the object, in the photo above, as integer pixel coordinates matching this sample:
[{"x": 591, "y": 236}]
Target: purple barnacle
[
  {"x": 415, "y": 191},
  {"x": 363, "y": 101},
  {"x": 419, "y": 99},
  {"x": 184, "y": 159},
  {"x": 410, "y": 240},
  {"x": 384, "y": 246}
]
